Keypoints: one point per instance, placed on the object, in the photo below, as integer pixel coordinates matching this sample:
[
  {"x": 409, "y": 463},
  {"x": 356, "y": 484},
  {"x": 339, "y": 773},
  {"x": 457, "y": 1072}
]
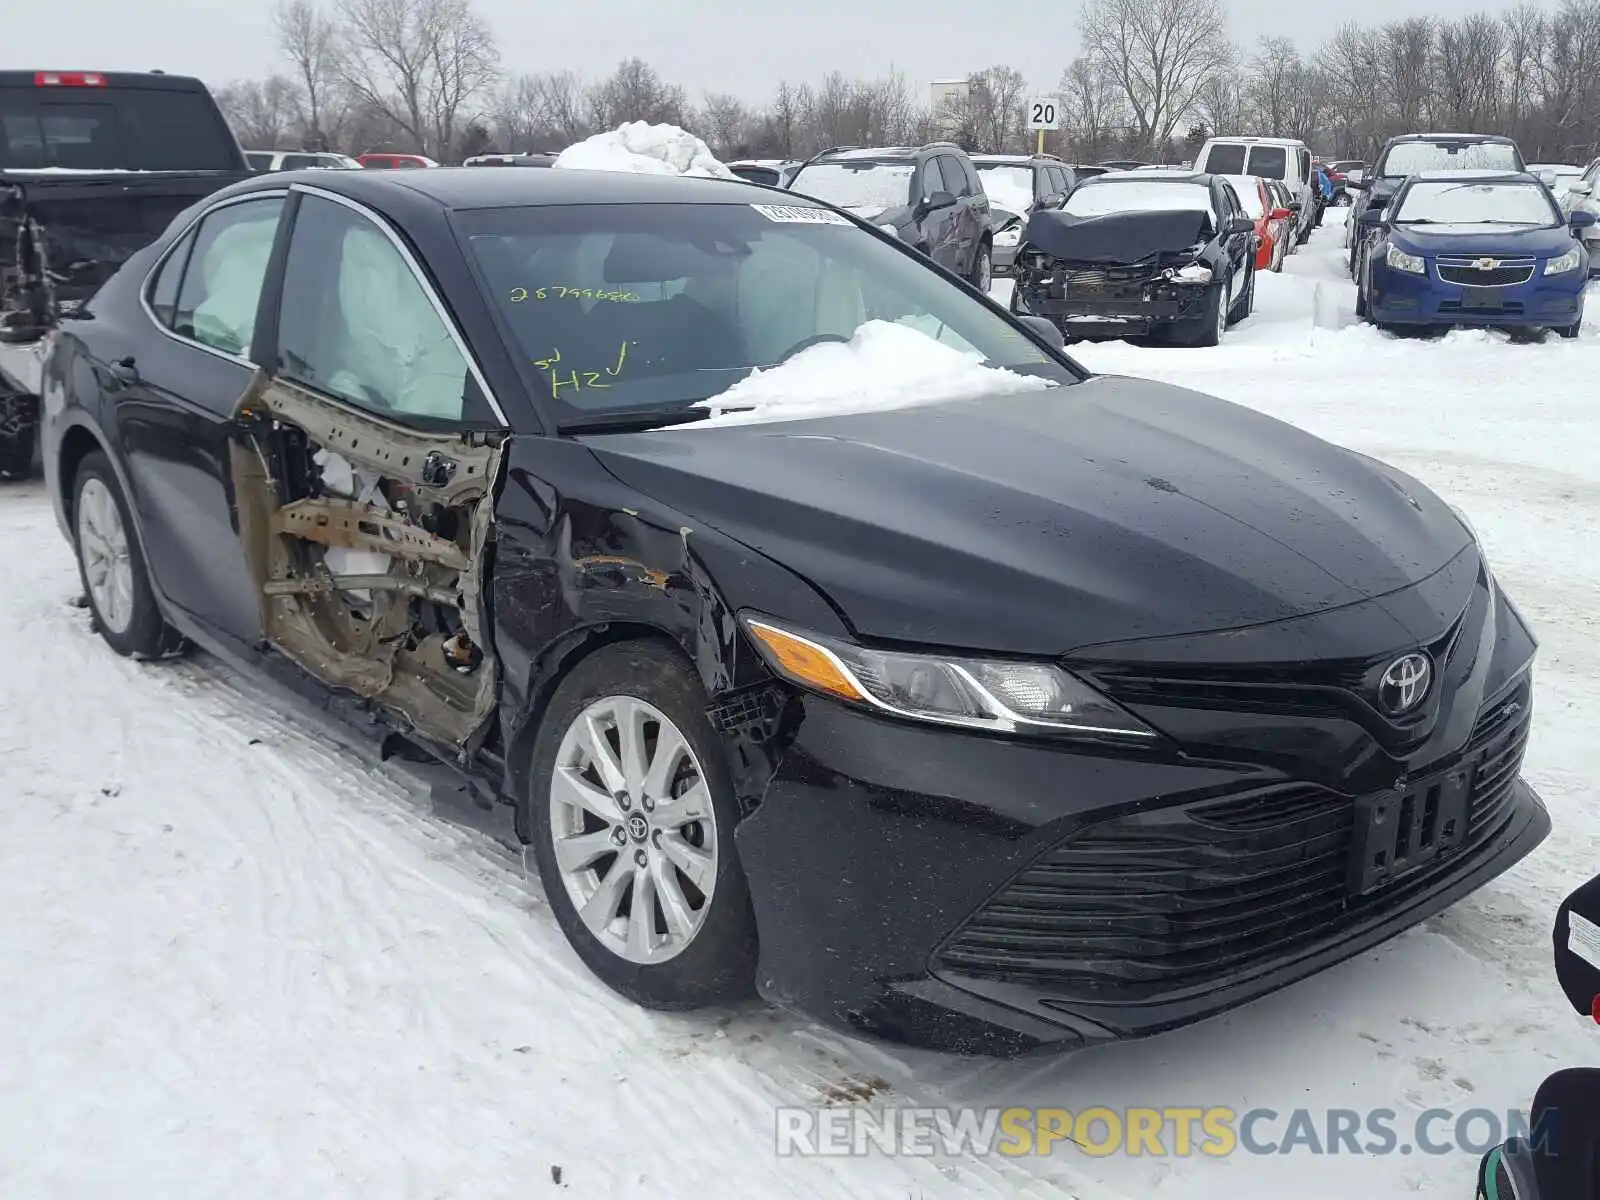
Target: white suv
[
  {"x": 1584, "y": 196},
  {"x": 1285, "y": 159}
]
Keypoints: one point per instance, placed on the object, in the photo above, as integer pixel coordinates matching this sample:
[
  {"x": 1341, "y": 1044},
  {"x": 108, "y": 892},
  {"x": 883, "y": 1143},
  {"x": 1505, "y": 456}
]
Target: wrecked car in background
[
  {"x": 719, "y": 542},
  {"x": 1169, "y": 255}
]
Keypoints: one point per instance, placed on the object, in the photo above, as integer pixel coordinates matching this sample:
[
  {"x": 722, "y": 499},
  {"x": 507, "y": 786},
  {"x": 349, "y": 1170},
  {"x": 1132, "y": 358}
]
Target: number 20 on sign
[{"x": 1044, "y": 112}]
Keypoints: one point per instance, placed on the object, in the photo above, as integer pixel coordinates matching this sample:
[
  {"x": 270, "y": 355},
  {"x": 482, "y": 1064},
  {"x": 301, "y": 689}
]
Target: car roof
[
  {"x": 1478, "y": 176},
  {"x": 1111, "y": 177},
  {"x": 1019, "y": 160},
  {"x": 463, "y": 188},
  {"x": 1262, "y": 141},
  {"x": 1454, "y": 137},
  {"x": 871, "y": 154},
  {"x": 113, "y": 79}
]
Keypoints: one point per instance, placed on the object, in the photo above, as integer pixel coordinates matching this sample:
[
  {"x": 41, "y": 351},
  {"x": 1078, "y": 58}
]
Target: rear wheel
[
  {"x": 1570, "y": 331},
  {"x": 112, "y": 568},
  {"x": 631, "y": 810},
  {"x": 982, "y": 268}
]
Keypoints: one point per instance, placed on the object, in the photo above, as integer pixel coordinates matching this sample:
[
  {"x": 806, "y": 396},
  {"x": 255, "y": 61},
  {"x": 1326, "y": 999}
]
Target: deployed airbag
[{"x": 1126, "y": 237}]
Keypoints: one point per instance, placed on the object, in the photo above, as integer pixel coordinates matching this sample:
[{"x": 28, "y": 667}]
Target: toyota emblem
[{"x": 1404, "y": 684}]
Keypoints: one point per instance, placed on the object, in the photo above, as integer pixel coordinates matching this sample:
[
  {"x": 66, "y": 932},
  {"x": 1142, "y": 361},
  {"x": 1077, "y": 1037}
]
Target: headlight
[
  {"x": 892, "y": 230},
  {"x": 1567, "y": 262},
  {"x": 974, "y": 693},
  {"x": 1008, "y": 238},
  {"x": 1399, "y": 260}
]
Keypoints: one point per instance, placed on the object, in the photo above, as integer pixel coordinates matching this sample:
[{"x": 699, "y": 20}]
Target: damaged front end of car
[
  {"x": 1128, "y": 273},
  {"x": 369, "y": 543}
]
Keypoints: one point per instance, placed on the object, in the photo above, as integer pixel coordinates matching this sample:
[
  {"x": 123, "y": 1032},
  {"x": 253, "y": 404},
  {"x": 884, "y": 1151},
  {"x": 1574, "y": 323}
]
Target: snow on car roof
[{"x": 1459, "y": 176}]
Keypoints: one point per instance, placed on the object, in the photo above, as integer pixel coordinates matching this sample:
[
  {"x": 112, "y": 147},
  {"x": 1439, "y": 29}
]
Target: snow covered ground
[{"x": 236, "y": 959}]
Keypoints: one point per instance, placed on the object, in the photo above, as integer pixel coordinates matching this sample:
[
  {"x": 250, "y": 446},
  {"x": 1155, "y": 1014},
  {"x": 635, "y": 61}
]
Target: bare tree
[
  {"x": 634, "y": 92},
  {"x": 1092, "y": 110},
  {"x": 989, "y": 118},
  {"x": 262, "y": 112},
  {"x": 1467, "y": 72},
  {"x": 1159, "y": 53},
  {"x": 418, "y": 62},
  {"x": 725, "y": 125},
  {"x": 1274, "y": 73},
  {"x": 1220, "y": 105},
  {"x": 309, "y": 40}
]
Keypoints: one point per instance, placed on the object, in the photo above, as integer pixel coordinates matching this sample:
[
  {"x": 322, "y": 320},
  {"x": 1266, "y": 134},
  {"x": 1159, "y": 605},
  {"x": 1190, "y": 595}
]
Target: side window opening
[
  {"x": 221, "y": 288},
  {"x": 359, "y": 325},
  {"x": 163, "y": 288}
]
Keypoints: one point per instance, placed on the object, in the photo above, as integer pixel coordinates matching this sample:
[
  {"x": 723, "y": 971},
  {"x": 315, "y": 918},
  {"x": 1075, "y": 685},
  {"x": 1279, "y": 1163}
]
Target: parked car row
[
  {"x": 466, "y": 462},
  {"x": 1455, "y": 229}
]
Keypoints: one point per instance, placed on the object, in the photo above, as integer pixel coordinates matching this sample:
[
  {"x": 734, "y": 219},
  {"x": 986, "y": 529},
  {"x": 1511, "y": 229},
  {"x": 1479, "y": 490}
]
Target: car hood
[
  {"x": 1472, "y": 240},
  {"x": 1037, "y": 524}
]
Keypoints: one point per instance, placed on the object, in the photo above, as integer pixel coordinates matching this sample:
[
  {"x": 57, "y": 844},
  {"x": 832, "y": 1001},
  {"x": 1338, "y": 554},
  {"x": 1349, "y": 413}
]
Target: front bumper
[
  {"x": 986, "y": 896},
  {"x": 1401, "y": 298}
]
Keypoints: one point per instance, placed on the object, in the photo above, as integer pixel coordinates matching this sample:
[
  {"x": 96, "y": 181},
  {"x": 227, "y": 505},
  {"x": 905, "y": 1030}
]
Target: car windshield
[
  {"x": 659, "y": 307},
  {"x": 1249, "y": 193},
  {"x": 1007, "y": 184},
  {"x": 1108, "y": 194},
  {"x": 866, "y": 185},
  {"x": 1413, "y": 158},
  {"x": 1439, "y": 202}
]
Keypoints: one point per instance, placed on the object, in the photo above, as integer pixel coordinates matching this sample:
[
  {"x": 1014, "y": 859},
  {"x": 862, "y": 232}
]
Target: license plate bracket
[
  {"x": 1410, "y": 827},
  {"x": 1482, "y": 297}
]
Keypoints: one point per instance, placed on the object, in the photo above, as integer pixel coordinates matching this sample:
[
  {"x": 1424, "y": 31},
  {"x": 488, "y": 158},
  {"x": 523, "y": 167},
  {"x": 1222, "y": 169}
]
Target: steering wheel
[{"x": 816, "y": 339}]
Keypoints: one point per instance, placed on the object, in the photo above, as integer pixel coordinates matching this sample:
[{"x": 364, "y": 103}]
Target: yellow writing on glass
[
  {"x": 521, "y": 295},
  {"x": 580, "y": 381}
]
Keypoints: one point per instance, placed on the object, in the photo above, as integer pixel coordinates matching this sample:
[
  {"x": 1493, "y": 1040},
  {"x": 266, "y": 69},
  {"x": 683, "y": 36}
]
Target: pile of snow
[
  {"x": 640, "y": 148},
  {"x": 885, "y": 365}
]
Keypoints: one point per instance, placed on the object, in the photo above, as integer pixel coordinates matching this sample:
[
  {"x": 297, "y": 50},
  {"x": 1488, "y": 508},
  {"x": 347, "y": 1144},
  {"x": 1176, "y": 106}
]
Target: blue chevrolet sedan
[{"x": 1488, "y": 249}]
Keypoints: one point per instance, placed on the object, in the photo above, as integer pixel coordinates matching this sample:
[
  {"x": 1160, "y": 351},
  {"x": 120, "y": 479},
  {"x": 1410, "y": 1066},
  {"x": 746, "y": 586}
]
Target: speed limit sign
[{"x": 1044, "y": 112}]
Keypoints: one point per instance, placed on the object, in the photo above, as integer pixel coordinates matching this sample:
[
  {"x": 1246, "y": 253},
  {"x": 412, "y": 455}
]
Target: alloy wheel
[
  {"x": 633, "y": 829},
  {"x": 103, "y": 545}
]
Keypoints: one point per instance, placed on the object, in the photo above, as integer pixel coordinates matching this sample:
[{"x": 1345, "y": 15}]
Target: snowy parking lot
[{"x": 237, "y": 959}]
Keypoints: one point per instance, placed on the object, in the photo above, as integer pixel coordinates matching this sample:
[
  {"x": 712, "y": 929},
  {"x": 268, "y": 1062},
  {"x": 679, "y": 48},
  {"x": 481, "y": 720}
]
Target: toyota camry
[{"x": 825, "y": 630}]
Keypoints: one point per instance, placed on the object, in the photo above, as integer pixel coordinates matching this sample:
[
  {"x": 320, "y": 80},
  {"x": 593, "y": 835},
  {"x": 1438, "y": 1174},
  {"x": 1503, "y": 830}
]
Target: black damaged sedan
[{"x": 991, "y": 724}]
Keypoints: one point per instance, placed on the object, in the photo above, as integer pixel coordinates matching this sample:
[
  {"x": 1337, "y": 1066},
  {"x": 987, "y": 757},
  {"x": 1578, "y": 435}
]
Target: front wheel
[
  {"x": 631, "y": 810},
  {"x": 1570, "y": 331},
  {"x": 112, "y": 568}
]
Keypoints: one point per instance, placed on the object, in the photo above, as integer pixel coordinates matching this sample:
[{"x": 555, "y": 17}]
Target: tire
[
  {"x": 1207, "y": 329},
  {"x": 982, "y": 276},
  {"x": 1361, "y": 295},
  {"x": 111, "y": 566},
  {"x": 1570, "y": 331},
  {"x": 1246, "y": 303},
  {"x": 1277, "y": 255},
  {"x": 16, "y": 457},
  {"x": 641, "y": 683}
]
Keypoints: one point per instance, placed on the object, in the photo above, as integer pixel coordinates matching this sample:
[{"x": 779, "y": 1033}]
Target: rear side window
[
  {"x": 222, "y": 283},
  {"x": 163, "y": 293},
  {"x": 1226, "y": 159},
  {"x": 1269, "y": 162},
  {"x": 113, "y": 129}
]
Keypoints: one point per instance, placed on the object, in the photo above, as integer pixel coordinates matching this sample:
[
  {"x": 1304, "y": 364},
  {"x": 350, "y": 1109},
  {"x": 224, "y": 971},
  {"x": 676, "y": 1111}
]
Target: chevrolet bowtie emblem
[{"x": 1487, "y": 264}]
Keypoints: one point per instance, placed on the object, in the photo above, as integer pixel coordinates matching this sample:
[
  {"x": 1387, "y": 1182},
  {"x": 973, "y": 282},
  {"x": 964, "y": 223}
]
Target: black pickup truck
[{"x": 93, "y": 165}]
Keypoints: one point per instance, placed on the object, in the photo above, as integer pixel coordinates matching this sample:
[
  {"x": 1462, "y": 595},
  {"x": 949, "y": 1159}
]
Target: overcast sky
[{"x": 718, "y": 45}]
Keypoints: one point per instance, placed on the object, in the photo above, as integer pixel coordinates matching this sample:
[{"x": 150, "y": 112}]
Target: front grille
[
  {"x": 1135, "y": 908},
  {"x": 1508, "y": 272}
]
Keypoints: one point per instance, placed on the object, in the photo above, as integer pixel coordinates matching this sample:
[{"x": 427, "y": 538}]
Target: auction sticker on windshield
[
  {"x": 798, "y": 214},
  {"x": 1583, "y": 938}
]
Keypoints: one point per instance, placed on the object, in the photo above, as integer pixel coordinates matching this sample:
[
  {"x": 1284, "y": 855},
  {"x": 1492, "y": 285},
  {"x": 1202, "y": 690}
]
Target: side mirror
[
  {"x": 1355, "y": 177},
  {"x": 1239, "y": 225},
  {"x": 938, "y": 200},
  {"x": 1047, "y": 330},
  {"x": 1581, "y": 219},
  {"x": 1548, "y": 178},
  {"x": 1581, "y": 189},
  {"x": 1281, "y": 214}
]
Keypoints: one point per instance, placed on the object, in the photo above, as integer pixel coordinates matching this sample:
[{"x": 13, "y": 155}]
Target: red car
[
  {"x": 1271, "y": 218},
  {"x": 386, "y": 161}
]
